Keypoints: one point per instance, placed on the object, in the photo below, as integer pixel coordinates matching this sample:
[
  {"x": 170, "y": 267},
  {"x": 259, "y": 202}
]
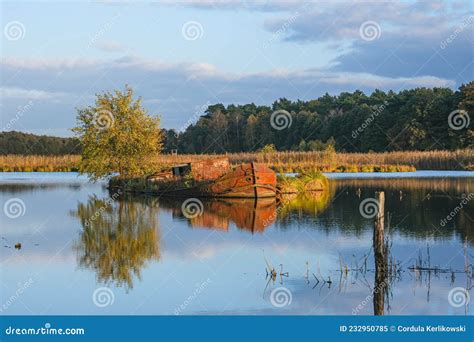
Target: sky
[{"x": 181, "y": 56}]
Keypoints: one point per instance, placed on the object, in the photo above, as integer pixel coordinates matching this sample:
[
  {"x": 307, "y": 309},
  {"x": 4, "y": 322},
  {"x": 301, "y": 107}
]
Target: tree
[
  {"x": 118, "y": 136},
  {"x": 170, "y": 137},
  {"x": 251, "y": 132},
  {"x": 467, "y": 104},
  {"x": 217, "y": 136},
  {"x": 467, "y": 98}
]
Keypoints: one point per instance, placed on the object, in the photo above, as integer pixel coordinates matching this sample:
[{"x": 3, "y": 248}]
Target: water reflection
[
  {"x": 118, "y": 238},
  {"x": 251, "y": 215},
  {"x": 319, "y": 244},
  {"x": 417, "y": 207},
  {"x": 310, "y": 204},
  {"x": 120, "y": 233},
  {"x": 31, "y": 188}
]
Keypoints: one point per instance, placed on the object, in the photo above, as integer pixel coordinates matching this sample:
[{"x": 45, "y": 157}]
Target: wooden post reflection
[{"x": 380, "y": 256}]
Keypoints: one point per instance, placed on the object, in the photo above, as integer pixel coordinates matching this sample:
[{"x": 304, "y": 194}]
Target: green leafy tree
[
  {"x": 467, "y": 104},
  {"x": 117, "y": 136}
]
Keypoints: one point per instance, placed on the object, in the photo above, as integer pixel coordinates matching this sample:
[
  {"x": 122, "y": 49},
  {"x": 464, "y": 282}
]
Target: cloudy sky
[{"x": 182, "y": 56}]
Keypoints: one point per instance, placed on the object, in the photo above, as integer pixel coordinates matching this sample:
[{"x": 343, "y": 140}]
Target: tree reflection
[
  {"x": 419, "y": 207},
  {"x": 119, "y": 236}
]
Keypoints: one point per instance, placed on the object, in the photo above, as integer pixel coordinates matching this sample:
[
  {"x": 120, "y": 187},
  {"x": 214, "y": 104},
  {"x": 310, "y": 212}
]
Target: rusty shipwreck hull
[
  {"x": 250, "y": 180},
  {"x": 245, "y": 181}
]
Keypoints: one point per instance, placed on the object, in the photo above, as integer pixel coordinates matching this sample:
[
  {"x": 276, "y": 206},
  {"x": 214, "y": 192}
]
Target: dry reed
[{"x": 287, "y": 161}]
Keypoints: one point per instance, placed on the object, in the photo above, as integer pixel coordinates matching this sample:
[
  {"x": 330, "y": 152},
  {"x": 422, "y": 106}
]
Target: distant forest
[
  {"x": 417, "y": 119},
  {"x": 30, "y": 144},
  {"x": 409, "y": 120}
]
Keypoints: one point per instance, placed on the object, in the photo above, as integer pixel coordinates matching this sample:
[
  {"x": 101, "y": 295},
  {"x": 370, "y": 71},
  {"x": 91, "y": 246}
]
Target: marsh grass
[
  {"x": 308, "y": 180},
  {"x": 17, "y": 163},
  {"x": 290, "y": 161},
  {"x": 285, "y": 161}
]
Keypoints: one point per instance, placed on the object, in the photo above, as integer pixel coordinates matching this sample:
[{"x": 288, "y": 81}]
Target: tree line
[
  {"x": 416, "y": 119},
  {"x": 30, "y": 144}
]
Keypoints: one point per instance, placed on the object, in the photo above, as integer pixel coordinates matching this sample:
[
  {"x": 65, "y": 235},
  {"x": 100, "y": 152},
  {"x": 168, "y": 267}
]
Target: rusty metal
[
  {"x": 209, "y": 169},
  {"x": 216, "y": 178},
  {"x": 246, "y": 180}
]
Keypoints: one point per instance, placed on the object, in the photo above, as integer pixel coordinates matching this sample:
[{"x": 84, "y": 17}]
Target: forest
[
  {"x": 416, "y": 119},
  {"x": 20, "y": 143}
]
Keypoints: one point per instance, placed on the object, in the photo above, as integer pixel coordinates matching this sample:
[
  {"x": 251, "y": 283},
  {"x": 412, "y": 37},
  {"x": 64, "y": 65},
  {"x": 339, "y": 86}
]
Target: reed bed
[
  {"x": 347, "y": 162},
  {"x": 287, "y": 161},
  {"x": 16, "y": 163}
]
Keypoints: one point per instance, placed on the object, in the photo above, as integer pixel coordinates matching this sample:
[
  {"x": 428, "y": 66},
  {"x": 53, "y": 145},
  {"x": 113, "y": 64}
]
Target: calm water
[{"x": 85, "y": 252}]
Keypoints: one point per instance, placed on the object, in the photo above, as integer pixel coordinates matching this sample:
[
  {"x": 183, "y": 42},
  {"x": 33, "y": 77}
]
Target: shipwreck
[{"x": 218, "y": 178}]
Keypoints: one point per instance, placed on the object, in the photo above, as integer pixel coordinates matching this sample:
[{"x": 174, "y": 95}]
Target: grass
[
  {"x": 281, "y": 161},
  {"x": 290, "y": 161},
  {"x": 306, "y": 181},
  {"x": 16, "y": 163}
]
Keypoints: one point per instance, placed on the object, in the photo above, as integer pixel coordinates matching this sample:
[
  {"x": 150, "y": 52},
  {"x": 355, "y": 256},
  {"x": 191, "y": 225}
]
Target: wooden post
[
  {"x": 379, "y": 244},
  {"x": 380, "y": 256}
]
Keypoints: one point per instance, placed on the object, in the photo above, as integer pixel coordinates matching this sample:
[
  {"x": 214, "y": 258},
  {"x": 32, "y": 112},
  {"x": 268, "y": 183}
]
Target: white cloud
[
  {"x": 47, "y": 63},
  {"x": 370, "y": 80},
  {"x": 109, "y": 46},
  {"x": 32, "y": 94}
]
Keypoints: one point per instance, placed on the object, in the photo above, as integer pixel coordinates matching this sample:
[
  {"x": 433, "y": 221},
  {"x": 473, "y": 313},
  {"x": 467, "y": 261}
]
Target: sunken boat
[{"x": 209, "y": 178}]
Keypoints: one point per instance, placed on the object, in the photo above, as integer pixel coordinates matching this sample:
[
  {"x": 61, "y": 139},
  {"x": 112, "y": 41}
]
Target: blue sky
[{"x": 182, "y": 56}]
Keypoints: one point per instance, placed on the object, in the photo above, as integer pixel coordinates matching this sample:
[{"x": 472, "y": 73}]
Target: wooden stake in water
[
  {"x": 380, "y": 256},
  {"x": 379, "y": 241}
]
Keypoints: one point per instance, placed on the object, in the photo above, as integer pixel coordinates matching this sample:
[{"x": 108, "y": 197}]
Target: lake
[{"x": 87, "y": 251}]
